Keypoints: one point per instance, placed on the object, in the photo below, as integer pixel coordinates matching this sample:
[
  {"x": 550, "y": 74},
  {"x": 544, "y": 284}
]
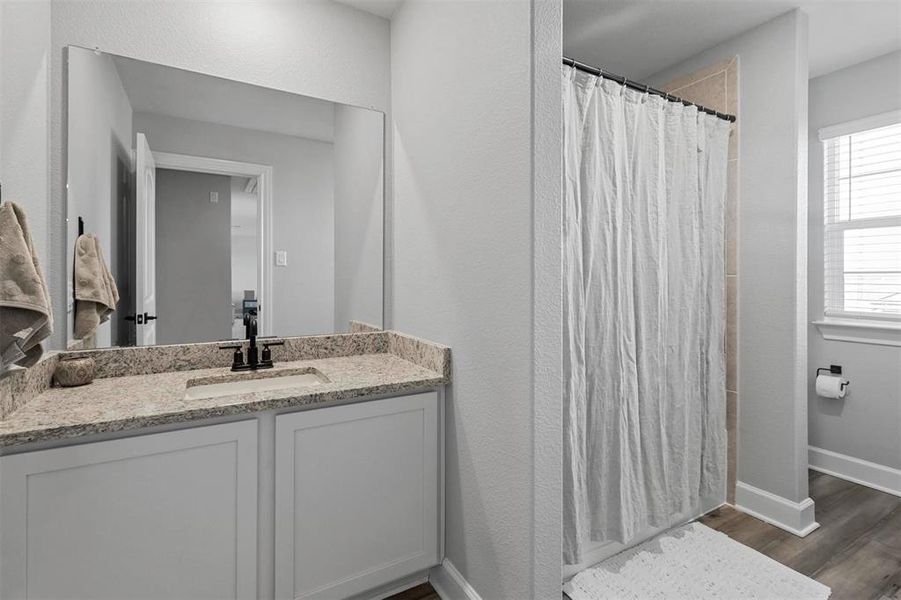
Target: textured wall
[
  {"x": 463, "y": 262},
  {"x": 716, "y": 87},
  {"x": 867, "y": 423},
  {"x": 24, "y": 110},
  {"x": 547, "y": 298}
]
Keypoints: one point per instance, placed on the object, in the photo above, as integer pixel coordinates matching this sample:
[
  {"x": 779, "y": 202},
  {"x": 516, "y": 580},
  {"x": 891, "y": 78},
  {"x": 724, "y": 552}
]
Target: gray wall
[
  {"x": 867, "y": 423},
  {"x": 359, "y": 201},
  {"x": 245, "y": 240},
  {"x": 302, "y": 209},
  {"x": 25, "y": 138},
  {"x": 463, "y": 264},
  {"x": 772, "y": 267},
  {"x": 100, "y": 143},
  {"x": 193, "y": 257},
  {"x": 244, "y": 265}
]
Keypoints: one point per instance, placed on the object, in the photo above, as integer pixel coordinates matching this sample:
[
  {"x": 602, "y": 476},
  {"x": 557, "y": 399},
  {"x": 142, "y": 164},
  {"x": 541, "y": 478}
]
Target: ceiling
[
  {"x": 638, "y": 38},
  {"x": 382, "y": 8},
  {"x": 158, "y": 89}
]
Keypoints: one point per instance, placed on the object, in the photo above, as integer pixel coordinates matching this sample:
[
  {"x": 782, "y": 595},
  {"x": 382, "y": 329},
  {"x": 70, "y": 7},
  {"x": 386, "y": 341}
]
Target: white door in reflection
[{"x": 145, "y": 284}]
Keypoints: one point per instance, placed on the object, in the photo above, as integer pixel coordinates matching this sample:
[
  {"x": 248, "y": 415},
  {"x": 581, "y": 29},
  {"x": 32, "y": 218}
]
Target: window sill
[{"x": 861, "y": 331}]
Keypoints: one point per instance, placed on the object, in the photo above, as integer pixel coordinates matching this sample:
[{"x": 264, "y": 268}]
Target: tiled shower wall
[{"x": 716, "y": 87}]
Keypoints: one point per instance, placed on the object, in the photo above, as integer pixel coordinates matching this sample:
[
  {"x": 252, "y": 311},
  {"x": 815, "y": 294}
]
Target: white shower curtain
[{"x": 644, "y": 311}]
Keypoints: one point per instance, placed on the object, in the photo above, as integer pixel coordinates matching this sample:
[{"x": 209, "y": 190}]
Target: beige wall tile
[
  {"x": 732, "y": 437},
  {"x": 731, "y": 223},
  {"x": 691, "y": 78},
  {"x": 715, "y": 87},
  {"x": 733, "y": 142},
  {"x": 731, "y": 333},
  {"x": 709, "y": 92},
  {"x": 732, "y": 106},
  {"x": 732, "y": 88}
]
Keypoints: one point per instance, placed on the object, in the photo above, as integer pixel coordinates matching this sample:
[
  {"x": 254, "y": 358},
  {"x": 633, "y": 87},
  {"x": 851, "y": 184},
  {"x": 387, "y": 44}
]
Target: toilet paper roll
[{"x": 830, "y": 386}]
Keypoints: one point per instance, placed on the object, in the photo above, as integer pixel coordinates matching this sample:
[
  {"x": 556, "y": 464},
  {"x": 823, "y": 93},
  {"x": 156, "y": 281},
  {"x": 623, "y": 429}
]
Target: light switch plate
[
  {"x": 214, "y": 197},
  {"x": 281, "y": 258}
]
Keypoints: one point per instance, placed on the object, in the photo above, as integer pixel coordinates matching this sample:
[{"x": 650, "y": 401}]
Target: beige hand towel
[
  {"x": 25, "y": 314},
  {"x": 96, "y": 294}
]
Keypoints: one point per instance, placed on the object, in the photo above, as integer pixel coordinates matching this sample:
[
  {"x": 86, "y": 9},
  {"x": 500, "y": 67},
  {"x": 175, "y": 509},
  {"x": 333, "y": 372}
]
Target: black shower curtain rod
[{"x": 643, "y": 88}]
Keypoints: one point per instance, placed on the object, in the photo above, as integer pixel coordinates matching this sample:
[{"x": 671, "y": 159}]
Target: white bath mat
[{"x": 693, "y": 562}]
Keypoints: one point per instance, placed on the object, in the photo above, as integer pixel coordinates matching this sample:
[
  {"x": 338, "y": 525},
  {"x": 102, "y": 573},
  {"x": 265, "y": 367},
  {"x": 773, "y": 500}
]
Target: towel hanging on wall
[
  {"x": 26, "y": 318},
  {"x": 96, "y": 294}
]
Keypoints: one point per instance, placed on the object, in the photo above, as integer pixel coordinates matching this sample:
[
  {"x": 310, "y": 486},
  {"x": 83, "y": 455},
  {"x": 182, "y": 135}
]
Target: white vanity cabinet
[
  {"x": 167, "y": 515},
  {"x": 356, "y": 496},
  {"x": 351, "y": 505}
]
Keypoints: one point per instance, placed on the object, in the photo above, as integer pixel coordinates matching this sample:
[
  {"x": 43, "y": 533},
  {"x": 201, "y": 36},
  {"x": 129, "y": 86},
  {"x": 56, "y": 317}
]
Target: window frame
[{"x": 833, "y": 232}]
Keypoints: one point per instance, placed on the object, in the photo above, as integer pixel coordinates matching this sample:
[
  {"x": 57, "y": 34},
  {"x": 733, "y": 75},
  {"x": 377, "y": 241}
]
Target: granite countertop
[{"x": 136, "y": 401}]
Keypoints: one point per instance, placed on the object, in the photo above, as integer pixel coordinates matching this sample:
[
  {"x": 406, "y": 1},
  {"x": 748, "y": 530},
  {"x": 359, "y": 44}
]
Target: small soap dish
[{"x": 71, "y": 372}]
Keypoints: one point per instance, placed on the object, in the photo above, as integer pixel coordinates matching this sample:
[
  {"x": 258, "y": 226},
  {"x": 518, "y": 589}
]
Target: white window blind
[{"x": 863, "y": 220}]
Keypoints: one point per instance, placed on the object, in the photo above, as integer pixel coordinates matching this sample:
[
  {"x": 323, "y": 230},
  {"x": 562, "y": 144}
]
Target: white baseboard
[
  {"x": 856, "y": 470},
  {"x": 793, "y": 517},
  {"x": 450, "y": 584}
]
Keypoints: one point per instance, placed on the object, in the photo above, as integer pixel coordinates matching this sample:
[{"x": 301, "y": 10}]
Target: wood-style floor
[
  {"x": 856, "y": 551},
  {"x": 420, "y": 592}
]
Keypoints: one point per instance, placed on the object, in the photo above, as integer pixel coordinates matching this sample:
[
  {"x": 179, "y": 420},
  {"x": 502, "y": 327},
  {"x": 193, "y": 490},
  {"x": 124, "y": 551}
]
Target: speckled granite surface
[
  {"x": 421, "y": 352},
  {"x": 18, "y": 386},
  {"x": 143, "y": 387},
  {"x": 121, "y": 361},
  {"x": 136, "y": 401},
  {"x": 361, "y": 327}
]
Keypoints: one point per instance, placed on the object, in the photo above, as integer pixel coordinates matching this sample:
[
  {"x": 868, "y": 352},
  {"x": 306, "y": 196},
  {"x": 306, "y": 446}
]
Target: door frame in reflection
[{"x": 263, "y": 173}]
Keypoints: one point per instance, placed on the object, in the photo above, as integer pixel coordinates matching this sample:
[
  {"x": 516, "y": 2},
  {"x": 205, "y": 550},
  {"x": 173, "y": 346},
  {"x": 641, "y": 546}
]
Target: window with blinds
[{"x": 863, "y": 218}]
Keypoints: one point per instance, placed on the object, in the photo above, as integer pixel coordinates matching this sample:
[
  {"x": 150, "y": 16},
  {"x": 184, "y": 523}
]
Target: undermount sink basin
[{"x": 248, "y": 383}]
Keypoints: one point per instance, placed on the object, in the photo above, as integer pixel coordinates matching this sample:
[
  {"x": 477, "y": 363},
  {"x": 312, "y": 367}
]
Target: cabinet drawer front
[
  {"x": 169, "y": 515},
  {"x": 356, "y": 496}
]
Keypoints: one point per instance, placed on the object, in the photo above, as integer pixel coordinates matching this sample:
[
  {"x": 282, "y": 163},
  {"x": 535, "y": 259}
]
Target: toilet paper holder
[{"x": 834, "y": 370}]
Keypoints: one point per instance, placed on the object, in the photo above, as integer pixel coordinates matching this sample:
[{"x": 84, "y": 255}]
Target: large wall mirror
[{"x": 205, "y": 200}]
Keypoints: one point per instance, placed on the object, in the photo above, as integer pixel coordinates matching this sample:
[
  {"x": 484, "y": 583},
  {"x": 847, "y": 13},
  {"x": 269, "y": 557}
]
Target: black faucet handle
[
  {"x": 266, "y": 357},
  {"x": 237, "y": 357}
]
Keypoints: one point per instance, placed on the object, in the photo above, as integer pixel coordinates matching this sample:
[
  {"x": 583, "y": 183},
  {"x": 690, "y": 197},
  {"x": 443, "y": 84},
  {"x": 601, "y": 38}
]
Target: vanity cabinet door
[
  {"x": 356, "y": 496},
  {"x": 168, "y": 515}
]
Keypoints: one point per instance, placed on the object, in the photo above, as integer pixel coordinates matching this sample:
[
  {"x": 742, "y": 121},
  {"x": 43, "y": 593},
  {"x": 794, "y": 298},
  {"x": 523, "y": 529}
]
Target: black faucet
[
  {"x": 254, "y": 358},
  {"x": 250, "y": 332}
]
